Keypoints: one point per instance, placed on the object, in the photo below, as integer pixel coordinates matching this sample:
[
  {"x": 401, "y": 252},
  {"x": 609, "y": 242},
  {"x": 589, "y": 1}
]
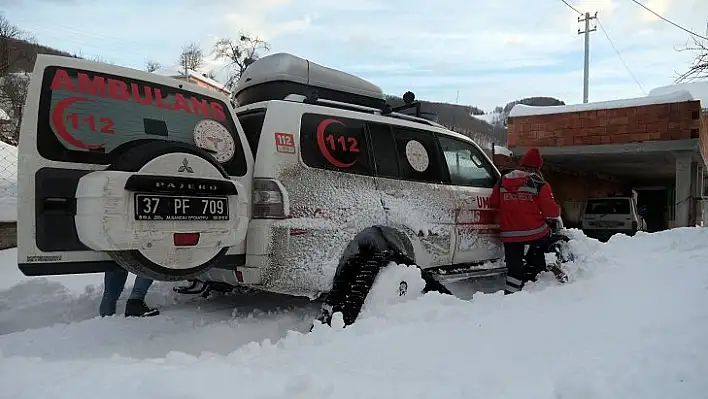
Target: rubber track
[{"x": 353, "y": 284}]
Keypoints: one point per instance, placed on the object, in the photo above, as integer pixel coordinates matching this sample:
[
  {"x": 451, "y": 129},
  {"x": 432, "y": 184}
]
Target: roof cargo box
[{"x": 276, "y": 76}]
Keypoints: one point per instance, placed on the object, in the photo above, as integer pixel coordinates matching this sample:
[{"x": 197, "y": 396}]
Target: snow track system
[{"x": 354, "y": 282}]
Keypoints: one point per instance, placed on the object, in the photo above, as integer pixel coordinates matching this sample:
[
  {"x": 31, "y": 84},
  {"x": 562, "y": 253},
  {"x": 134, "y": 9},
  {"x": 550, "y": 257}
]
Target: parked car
[{"x": 607, "y": 216}]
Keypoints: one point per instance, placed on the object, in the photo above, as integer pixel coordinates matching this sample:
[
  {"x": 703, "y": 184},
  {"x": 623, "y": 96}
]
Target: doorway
[{"x": 654, "y": 201}]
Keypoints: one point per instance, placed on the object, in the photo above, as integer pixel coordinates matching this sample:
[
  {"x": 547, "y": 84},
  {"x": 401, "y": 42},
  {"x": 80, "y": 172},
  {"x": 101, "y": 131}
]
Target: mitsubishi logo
[{"x": 185, "y": 167}]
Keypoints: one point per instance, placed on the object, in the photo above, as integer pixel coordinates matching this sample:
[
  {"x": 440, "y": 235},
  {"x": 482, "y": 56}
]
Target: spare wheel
[{"x": 165, "y": 210}]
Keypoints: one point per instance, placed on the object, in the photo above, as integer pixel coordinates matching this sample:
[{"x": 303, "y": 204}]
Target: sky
[{"x": 474, "y": 52}]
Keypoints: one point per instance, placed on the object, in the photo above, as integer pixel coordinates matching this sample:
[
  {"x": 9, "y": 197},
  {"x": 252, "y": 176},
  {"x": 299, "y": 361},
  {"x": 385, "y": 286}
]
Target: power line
[
  {"x": 571, "y": 7},
  {"x": 602, "y": 28},
  {"x": 667, "y": 20}
]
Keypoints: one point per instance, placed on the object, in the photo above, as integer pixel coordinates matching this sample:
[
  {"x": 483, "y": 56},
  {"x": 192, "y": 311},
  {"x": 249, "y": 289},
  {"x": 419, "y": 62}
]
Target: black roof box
[{"x": 276, "y": 76}]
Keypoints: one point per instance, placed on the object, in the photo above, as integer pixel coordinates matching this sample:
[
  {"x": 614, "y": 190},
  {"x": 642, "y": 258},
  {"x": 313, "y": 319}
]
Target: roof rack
[{"x": 360, "y": 108}]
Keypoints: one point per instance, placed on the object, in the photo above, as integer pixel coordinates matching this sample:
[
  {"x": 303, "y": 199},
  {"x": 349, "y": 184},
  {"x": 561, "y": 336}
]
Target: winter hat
[{"x": 532, "y": 159}]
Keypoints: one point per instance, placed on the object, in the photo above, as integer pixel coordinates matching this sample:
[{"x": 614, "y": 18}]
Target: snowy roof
[
  {"x": 669, "y": 97},
  {"x": 503, "y": 151},
  {"x": 488, "y": 118},
  {"x": 174, "y": 73},
  {"x": 698, "y": 90}
]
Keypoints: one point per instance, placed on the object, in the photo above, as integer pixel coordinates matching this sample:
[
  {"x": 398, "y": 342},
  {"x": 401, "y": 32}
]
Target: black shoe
[{"x": 138, "y": 308}]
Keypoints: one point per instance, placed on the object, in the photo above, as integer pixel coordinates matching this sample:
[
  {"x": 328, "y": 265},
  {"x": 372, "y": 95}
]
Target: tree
[
  {"x": 13, "y": 92},
  {"x": 192, "y": 57},
  {"x": 11, "y": 37},
  {"x": 699, "y": 66},
  {"x": 13, "y": 84},
  {"x": 239, "y": 54},
  {"x": 152, "y": 66}
]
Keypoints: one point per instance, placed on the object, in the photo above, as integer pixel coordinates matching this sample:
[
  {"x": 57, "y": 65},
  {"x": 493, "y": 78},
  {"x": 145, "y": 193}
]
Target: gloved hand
[{"x": 556, "y": 224}]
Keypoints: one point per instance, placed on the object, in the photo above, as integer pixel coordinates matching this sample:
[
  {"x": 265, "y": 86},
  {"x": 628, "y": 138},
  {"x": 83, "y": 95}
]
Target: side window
[
  {"x": 384, "y": 148},
  {"x": 466, "y": 164},
  {"x": 334, "y": 143},
  {"x": 417, "y": 155},
  {"x": 252, "y": 123}
]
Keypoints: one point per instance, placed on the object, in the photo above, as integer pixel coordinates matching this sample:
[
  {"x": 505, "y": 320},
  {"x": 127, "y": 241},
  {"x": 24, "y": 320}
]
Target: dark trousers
[{"x": 514, "y": 257}]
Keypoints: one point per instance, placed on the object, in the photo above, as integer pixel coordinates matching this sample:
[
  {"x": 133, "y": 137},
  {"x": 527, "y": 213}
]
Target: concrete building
[{"x": 656, "y": 145}]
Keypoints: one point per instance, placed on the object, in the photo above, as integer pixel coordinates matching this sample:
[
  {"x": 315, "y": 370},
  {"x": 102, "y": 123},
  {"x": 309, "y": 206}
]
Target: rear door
[
  {"x": 124, "y": 167},
  {"x": 472, "y": 176}
]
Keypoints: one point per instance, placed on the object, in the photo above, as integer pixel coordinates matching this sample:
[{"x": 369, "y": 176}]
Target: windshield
[{"x": 608, "y": 206}]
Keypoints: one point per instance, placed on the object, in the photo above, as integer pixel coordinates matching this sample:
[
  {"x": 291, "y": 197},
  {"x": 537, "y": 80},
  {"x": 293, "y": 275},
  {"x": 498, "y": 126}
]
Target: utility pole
[{"x": 586, "y": 31}]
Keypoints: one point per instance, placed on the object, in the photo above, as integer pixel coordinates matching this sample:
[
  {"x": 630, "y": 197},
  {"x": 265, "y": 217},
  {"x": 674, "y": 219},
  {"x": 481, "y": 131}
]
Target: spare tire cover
[{"x": 168, "y": 158}]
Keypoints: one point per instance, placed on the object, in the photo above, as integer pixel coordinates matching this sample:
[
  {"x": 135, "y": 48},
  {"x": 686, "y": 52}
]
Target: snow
[
  {"x": 698, "y": 90},
  {"x": 520, "y": 110},
  {"x": 3, "y": 115},
  {"x": 503, "y": 151},
  {"x": 490, "y": 118},
  {"x": 8, "y": 182},
  {"x": 630, "y": 324}
]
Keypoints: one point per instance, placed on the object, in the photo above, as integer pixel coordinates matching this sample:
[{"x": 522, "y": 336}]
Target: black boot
[{"x": 138, "y": 308}]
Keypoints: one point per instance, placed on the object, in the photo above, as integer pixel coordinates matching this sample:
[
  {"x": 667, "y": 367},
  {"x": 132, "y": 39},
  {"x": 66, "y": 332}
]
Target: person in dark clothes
[
  {"x": 114, "y": 282},
  {"x": 525, "y": 202}
]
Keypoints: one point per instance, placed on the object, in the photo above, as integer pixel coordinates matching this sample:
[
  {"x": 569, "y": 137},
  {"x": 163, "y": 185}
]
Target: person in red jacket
[{"x": 525, "y": 201}]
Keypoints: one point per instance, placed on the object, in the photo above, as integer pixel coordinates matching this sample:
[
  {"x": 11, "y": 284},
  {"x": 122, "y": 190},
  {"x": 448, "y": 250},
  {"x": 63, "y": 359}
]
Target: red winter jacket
[{"x": 524, "y": 201}]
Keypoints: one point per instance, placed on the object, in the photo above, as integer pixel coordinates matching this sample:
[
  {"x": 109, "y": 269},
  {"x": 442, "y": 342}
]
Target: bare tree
[
  {"x": 13, "y": 92},
  {"x": 192, "y": 57},
  {"x": 699, "y": 66},
  {"x": 152, "y": 66},
  {"x": 239, "y": 54},
  {"x": 12, "y": 50},
  {"x": 13, "y": 83}
]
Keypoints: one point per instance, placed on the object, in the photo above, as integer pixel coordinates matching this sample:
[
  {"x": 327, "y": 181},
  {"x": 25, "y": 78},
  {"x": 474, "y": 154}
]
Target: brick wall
[
  {"x": 572, "y": 190},
  {"x": 671, "y": 121}
]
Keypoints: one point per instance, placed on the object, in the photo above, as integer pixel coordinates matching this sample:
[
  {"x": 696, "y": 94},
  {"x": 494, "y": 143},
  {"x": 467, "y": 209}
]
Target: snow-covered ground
[{"x": 632, "y": 323}]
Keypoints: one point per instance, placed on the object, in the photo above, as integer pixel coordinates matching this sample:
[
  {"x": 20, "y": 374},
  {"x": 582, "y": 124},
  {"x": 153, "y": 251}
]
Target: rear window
[
  {"x": 87, "y": 117},
  {"x": 609, "y": 206}
]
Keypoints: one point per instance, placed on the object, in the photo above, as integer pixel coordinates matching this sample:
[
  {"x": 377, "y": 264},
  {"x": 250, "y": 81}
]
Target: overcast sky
[{"x": 492, "y": 52}]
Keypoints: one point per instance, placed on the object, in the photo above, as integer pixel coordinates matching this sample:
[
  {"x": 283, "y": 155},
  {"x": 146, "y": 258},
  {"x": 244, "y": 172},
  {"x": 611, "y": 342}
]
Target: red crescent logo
[
  {"x": 323, "y": 146},
  {"x": 58, "y": 121}
]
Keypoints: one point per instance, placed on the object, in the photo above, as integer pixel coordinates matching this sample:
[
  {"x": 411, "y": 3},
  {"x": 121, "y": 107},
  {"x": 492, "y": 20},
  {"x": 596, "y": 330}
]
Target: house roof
[
  {"x": 175, "y": 73},
  {"x": 677, "y": 95}
]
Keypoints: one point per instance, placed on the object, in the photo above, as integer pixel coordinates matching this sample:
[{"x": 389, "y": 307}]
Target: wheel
[{"x": 167, "y": 263}]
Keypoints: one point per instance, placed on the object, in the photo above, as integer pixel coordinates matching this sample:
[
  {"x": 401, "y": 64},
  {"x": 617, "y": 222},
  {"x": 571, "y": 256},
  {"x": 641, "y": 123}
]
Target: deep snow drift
[{"x": 631, "y": 323}]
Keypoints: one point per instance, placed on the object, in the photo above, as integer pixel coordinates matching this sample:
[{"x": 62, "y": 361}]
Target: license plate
[{"x": 186, "y": 208}]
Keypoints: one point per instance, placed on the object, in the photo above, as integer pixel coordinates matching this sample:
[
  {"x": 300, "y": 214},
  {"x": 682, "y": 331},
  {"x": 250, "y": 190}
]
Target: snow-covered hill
[{"x": 631, "y": 324}]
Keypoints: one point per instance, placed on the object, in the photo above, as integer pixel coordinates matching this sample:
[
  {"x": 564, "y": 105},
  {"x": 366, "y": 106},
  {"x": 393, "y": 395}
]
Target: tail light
[
  {"x": 268, "y": 199},
  {"x": 185, "y": 239}
]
